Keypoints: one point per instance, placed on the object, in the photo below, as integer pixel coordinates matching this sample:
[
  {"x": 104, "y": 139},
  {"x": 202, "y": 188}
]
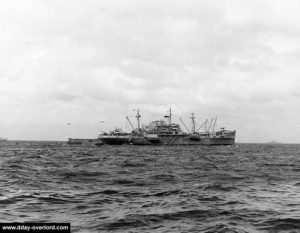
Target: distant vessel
[
  {"x": 273, "y": 142},
  {"x": 115, "y": 137},
  {"x": 160, "y": 132}
]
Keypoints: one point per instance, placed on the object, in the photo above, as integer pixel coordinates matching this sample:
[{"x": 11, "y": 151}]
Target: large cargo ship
[{"x": 161, "y": 132}]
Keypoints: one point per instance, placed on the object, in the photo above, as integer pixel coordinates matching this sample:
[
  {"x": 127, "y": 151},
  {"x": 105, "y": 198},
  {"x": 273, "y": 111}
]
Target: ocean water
[{"x": 241, "y": 188}]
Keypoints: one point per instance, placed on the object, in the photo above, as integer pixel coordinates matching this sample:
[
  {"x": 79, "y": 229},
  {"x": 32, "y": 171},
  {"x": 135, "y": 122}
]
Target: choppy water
[{"x": 244, "y": 188}]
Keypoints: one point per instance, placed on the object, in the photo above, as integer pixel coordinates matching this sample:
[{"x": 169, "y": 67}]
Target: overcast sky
[{"x": 86, "y": 61}]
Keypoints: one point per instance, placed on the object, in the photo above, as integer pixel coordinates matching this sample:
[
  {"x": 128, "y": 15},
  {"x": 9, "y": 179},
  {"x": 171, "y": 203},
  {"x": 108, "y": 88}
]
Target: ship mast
[
  {"x": 170, "y": 116},
  {"x": 193, "y": 122},
  {"x": 138, "y": 116},
  {"x": 214, "y": 124}
]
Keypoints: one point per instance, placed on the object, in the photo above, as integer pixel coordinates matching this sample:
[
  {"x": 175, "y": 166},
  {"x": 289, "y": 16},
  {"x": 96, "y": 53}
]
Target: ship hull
[
  {"x": 169, "y": 140},
  {"x": 139, "y": 140},
  {"x": 84, "y": 142},
  {"x": 115, "y": 140},
  {"x": 202, "y": 141},
  {"x": 182, "y": 140},
  {"x": 217, "y": 141}
]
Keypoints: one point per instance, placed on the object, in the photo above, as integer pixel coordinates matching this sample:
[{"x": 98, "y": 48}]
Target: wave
[
  {"x": 136, "y": 221},
  {"x": 220, "y": 187},
  {"x": 53, "y": 200},
  {"x": 280, "y": 224},
  {"x": 133, "y": 221},
  {"x": 223, "y": 228},
  {"x": 128, "y": 163},
  {"x": 109, "y": 192},
  {"x": 164, "y": 177},
  {"x": 210, "y": 198},
  {"x": 125, "y": 182},
  {"x": 81, "y": 175},
  {"x": 167, "y": 193},
  {"x": 17, "y": 198},
  {"x": 152, "y": 189}
]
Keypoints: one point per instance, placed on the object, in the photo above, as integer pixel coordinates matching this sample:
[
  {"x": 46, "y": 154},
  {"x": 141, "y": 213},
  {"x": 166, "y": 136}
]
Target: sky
[{"x": 67, "y": 66}]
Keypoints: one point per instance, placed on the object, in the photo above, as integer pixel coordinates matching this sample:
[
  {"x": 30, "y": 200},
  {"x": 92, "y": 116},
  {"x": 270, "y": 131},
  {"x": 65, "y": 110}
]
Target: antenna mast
[{"x": 169, "y": 116}]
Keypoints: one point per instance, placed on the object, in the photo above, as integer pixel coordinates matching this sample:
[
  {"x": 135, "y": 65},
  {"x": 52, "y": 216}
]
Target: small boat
[{"x": 115, "y": 137}]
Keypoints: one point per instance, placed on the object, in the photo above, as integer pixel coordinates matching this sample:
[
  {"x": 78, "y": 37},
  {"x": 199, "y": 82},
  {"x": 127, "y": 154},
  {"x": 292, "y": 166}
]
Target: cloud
[{"x": 86, "y": 60}]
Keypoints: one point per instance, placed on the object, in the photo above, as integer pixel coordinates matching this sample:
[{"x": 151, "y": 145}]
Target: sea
[{"x": 126, "y": 188}]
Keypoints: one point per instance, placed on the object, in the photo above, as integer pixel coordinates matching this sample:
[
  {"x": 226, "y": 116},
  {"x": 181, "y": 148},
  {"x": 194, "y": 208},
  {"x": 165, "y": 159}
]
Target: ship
[
  {"x": 161, "y": 132},
  {"x": 115, "y": 137}
]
